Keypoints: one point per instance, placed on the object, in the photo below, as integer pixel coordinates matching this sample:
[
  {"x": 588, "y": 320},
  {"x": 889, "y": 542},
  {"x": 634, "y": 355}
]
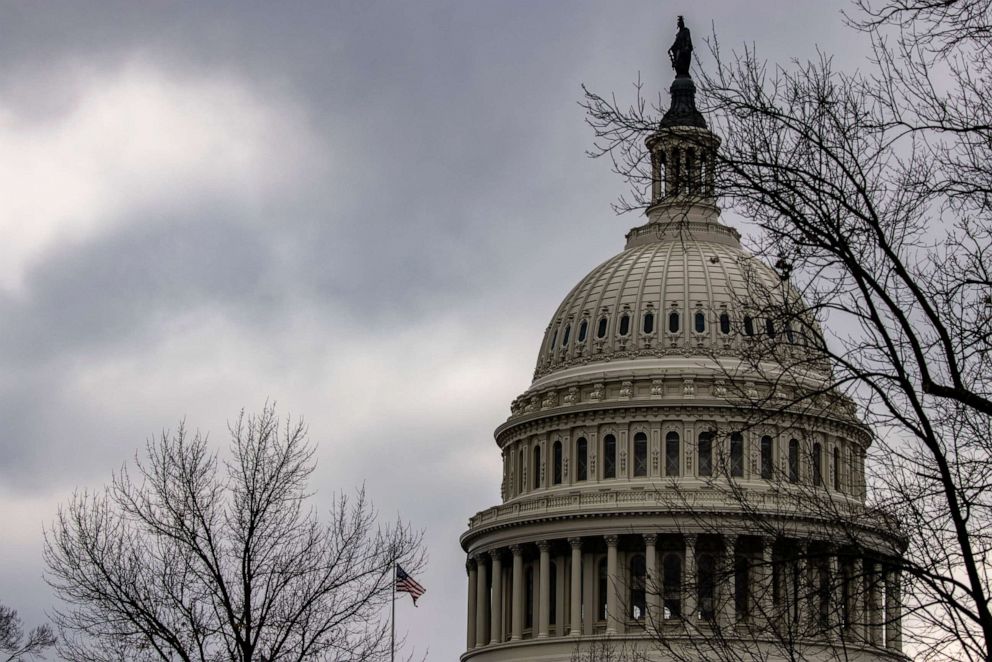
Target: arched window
[
  {"x": 536, "y": 468},
  {"x": 520, "y": 472},
  {"x": 767, "y": 457},
  {"x": 742, "y": 604},
  {"x": 568, "y": 332},
  {"x": 789, "y": 335},
  {"x": 529, "y": 597},
  {"x": 748, "y": 326},
  {"x": 603, "y": 587},
  {"x": 648, "y": 323},
  {"x": 601, "y": 329},
  {"x": 673, "y": 322},
  {"x": 671, "y": 581},
  {"x": 737, "y": 455},
  {"x": 793, "y": 461},
  {"x": 769, "y": 328},
  {"x": 837, "y": 468},
  {"x": 556, "y": 471},
  {"x": 705, "y": 453},
  {"x": 724, "y": 323},
  {"x": 554, "y": 341},
  {"x": 638, "y": 572},
  {"x": 583, "y": 327},
  {"x": 700, "y": 321},
  {"x": 817, "y": 464},
  {"x": 640, "y": 454},
  {"x": 581, "y": 459},
  {"x": 624, "y": 324},
  {"x": 706, "y": 587},
  {"x": 609, "y": 456},
  {"x": 672, "y": 454}
]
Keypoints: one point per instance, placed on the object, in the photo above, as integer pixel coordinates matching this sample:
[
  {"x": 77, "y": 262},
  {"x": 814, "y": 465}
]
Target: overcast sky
[{"x": 365, "y": 211}]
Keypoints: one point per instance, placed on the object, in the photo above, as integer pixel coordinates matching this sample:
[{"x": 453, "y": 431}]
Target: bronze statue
[{"x": 681, "y": 50}]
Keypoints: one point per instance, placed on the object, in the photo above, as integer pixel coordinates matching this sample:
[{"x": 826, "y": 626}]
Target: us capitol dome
[{"x": 672, "y": 489}]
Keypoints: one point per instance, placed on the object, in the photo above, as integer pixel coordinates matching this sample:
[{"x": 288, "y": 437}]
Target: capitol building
[{"x": 680, "y": 481}]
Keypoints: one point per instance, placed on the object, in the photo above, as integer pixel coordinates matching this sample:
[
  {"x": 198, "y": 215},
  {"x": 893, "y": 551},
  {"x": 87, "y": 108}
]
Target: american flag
[{"x": 407, "y": 584}]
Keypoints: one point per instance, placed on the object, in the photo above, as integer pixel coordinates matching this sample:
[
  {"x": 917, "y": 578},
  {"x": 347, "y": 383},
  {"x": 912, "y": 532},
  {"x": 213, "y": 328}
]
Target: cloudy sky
[{"x": 365, "y": 211}]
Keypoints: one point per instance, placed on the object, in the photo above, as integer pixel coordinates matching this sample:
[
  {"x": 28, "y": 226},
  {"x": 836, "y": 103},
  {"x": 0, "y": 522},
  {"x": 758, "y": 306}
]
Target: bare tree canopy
[
  {"x": 14, "y": 646},
  {"x": 187, "y": 556},
  {"x": 872, "y": 196}
]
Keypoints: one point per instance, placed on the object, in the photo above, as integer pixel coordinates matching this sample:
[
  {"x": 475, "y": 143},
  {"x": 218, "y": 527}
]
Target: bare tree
[
  {"x": 870, "y": 194},
  {"x": 13, "y": 643},
  {"x": 190, "y": 557}
]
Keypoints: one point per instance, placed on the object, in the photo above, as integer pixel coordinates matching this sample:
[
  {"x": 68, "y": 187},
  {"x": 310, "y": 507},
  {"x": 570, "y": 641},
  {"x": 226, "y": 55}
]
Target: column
[
  {"x": 690, "y": 589},
  {"x": 517, "y": 610},
  {"x": 612, "y": 585},
  {"x": 652, "y": 583},
  {"x": 588, "y": 588},
  {"x": 575, "y": 620},
  {"x": 544, "y": 605},
  {"x": 803, "y": 592},
  {"x": 765, "y": 594},
  {"x": 874, "y": 619},
  {"x": 726, "y": 586},
  {"x": 559, "y": 596},
  {"x": 835, "y": 609},
  {"x": 893, "y": 609},
  {"x": 859, "y": 584},
  {"x": 496, "y": 609},
  {"x": 472, "y": 587},
  {"x": 482, "y": 602}
]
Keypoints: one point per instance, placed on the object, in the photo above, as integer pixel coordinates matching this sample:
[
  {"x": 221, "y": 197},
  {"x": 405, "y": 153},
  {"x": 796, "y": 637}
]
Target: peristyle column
[
  {"x": 652, "y": 583},
  {"x": 496, "y": 608},
  {"x": 472, "y": 588},
  {"x": 575, "y": 622},
  {"x": 690, "y": 589},
  {"x": 482, "y": 602},
  {"x": 544, "y": 605},
  {"x": 612, "y": 585},
  {"x": 517, "y": 602}
]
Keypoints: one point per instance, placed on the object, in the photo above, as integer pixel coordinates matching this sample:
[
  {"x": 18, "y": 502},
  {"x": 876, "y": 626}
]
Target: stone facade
[{"x": 658, "y": 484}]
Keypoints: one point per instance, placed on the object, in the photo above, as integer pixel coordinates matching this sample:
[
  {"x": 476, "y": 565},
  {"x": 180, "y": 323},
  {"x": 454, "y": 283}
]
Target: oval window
[
  {"x": 724, "y": 323},
  {"x": 583, "y": 326},
  {"x": 673, "y": 322},
  {"x": 748, "y": 326},
  {"x": 770, "y": 328},
  {"x": 568, "y": 331},
  {"x": 649, "y": 323},
  {"x": 601, "y": 330},
  {"x": 700, "y": 322},
  {"x": 625, "y": 325}
]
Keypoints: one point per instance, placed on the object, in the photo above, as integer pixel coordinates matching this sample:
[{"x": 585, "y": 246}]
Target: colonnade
[{"x": 617, "y": 584}]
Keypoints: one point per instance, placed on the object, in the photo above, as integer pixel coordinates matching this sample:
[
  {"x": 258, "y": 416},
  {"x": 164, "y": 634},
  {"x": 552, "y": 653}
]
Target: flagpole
[{"x": 392, "y": 621}]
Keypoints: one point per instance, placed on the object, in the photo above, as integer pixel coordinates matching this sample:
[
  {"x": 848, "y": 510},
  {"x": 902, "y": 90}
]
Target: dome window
[
  {"x": 817, "y": 465},
  {"x": 583, "y": 327},
  {"x": 724, "y": 324},
  {"x": 673, "y": 322},
  {"x": 672, "y": 454},
  {"x": 536, "y": 468},
  {"x": 770, "y": 328},
  {"x": 737, "y": 455},
  {"x": 568, "y": 332},
  {"x": 648, "y": 323},
  {"x": 789, "y": 335},
  {"x": 581, "y": 459},
  {"x": 640, "y": 455},
  {"x": 705, "y": 452},
  {"x": 554, "y": 340},
  {"x": 557, "y": 463},
  {"x": 609, "y": 456},
  {"x": 601, "y": 329},
  {"x": 748, "y": 326},
  {"x": 837, "y": 468},
  {"x": 700, "y": 322},
  {"x": 793, "y": 461},
  {"x": 624, "y": 324},
  {"x": 767, "y": 457}
]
